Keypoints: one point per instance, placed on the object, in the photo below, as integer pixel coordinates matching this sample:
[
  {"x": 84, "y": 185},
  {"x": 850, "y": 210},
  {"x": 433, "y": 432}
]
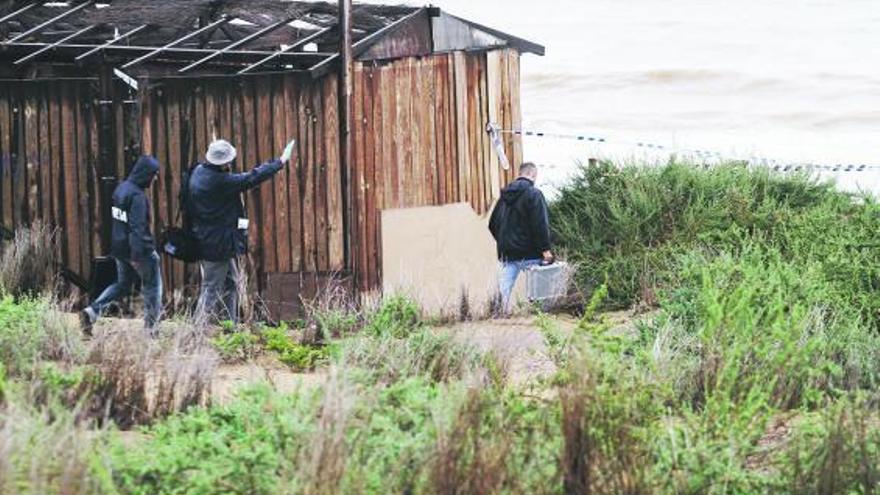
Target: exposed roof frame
[
  {"x": 177, "y": 53},
  {"x": 22, "y": 10},
  {"x": 54, "y": 45},
  {"x": 300, "y": 43},
  {"x": 364, "y": 44},
  {"x": 115, "y": 40},
  {"x": 44, "y": 25},
  {"x": 235, "y": 44},
  {"x": 222, "y": 20}
]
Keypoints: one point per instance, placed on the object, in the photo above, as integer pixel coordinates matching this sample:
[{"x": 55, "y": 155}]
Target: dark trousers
[
  {"x": 219, "y": 295},
  {"x": 127, "y": 273}
]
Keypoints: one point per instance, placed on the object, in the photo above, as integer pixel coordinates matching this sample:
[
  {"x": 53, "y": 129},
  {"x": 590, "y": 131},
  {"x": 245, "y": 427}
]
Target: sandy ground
[
  {"x": 231, "y": 378},
  {"x": 516, "y": 341}
]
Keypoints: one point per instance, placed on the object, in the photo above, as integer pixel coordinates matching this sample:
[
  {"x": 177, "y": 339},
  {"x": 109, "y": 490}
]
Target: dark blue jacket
[
  {"x": 132, "y": 238},
  {"x": 215, "y": 207},
  {"x": 519, "y": 222}
]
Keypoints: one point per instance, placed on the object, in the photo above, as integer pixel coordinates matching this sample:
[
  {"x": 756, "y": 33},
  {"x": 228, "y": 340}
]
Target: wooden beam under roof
[
  {"x": 223, "y": 19},
  {"x": 290, "y": 48},
  {"x": 44, "y": 25},
  {"x": 53, "y": 45},
  {"x": 179, "y": 54},
  {"x": 22, "y": 10},
  {"x": 235, "y": 44},
  {"x": 115, "y": 40}
]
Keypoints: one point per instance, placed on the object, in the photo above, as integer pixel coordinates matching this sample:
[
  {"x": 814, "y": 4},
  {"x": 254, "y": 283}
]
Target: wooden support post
[
  {"x": 345, "y": 91},
  {"x": 107, "y": 99}
]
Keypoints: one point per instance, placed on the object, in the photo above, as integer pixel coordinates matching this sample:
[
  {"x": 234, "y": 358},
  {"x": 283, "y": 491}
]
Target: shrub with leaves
[
  {"x": 397, "y": 316},
  {"x": 298, "y": 356},
  {"x": 236, "y": 347}
]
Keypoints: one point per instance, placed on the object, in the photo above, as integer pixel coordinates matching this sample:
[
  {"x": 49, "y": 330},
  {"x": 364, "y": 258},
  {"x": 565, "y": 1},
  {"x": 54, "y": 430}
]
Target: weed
[
  {"x": 237, "y": 347},
  {"x": 835, "y": 451},
  {"x": 385, "y": 359},
  {"x": 28, "y": 262},
  {"x": 237, "y": 448},
  {"x": 397, "y": 316},
  {"x": 46, "y": 450}
]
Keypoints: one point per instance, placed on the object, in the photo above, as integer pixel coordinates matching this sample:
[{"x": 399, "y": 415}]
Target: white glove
[{"x": 288, "y": 151}]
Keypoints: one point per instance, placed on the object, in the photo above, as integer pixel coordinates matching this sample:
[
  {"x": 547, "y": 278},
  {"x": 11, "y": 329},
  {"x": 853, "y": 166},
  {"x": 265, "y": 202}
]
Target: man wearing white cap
[{"x": 219, "y": 223}]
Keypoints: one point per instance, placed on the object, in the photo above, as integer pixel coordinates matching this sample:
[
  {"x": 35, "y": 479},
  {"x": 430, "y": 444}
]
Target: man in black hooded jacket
[
  {"x": 520, "y": 226},
  {"x": 133, "y": 247}
]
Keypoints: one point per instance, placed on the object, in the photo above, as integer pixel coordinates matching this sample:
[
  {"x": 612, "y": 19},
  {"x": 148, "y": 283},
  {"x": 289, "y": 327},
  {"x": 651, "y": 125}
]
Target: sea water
[{"x": 790, "y": 80}]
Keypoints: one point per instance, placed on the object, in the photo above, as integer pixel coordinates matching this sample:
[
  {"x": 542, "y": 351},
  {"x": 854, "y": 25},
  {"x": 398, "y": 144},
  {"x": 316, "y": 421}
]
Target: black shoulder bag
[{"x": 179, "y": 242}]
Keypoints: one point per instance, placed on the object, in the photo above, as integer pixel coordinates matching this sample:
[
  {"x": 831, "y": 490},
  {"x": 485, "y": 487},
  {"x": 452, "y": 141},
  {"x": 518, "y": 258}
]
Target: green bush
[
  {"x": 397, "y": 316},
  {"x": 626, "y": 226},
  {"x": 236, "y": 347},
  {"x": 835, "y": 451},
  {"x": 2, "y": 384},
  {"x": 239, "y": 448},
  {"x": 298, "y": 356},
  {"x": 22, "y": 334}
]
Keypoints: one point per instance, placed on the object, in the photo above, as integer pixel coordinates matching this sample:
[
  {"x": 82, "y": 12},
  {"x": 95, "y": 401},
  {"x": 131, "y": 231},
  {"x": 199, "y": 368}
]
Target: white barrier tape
[{"x": 777, "y": 165}]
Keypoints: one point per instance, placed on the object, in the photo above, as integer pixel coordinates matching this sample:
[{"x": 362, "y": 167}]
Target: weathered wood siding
[
  {"x": 296, "y": 219},
  {"x": 49, "y": 150},
  {"x": 419, "y": 135}
]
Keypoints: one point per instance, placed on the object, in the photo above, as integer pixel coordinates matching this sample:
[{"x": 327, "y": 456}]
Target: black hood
[
  {"x": 515, "y": 189},
  {"x": 144, "y": 169}
]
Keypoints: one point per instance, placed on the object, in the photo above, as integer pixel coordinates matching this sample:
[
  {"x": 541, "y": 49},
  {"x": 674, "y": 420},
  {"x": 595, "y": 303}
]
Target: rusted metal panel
[{"x": 289, "y": 294}]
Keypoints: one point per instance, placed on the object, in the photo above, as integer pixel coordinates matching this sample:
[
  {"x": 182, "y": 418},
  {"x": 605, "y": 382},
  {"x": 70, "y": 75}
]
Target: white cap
[{"x": 220, "y": 152}]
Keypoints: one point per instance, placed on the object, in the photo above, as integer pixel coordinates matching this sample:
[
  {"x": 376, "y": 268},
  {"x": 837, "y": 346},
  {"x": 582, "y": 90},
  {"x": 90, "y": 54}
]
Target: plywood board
[{"x": 437, "y": 255}]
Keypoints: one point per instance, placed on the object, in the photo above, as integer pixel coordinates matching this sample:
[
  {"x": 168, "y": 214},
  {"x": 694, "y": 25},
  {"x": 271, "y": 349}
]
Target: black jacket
[
  {"x": 132, "y": 238},
  {"x": 215, "y": 207},
  {"x": 519, "y": 222}
]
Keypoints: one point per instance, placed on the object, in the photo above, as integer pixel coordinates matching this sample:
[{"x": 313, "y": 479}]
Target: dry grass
[
  {"x": 323, "y": 465},
  {"x": 466, "y": 459},
  {"x": 28, "y": 262},
  {"x": 601, "y": 454},
  {"x": 47, "y": 451},
  {"x": 138, "y": 379}
]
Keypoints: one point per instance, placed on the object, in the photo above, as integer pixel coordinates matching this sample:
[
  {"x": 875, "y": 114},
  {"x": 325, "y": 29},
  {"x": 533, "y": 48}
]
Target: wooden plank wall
[
  {"x": 295, "y": 219},
  {"x": 48, "y": 164},
  {"x": 420, "y": 139}
]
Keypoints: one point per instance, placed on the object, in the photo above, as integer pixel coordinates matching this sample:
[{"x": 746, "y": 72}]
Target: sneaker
[{"x": 87, "y": 318}]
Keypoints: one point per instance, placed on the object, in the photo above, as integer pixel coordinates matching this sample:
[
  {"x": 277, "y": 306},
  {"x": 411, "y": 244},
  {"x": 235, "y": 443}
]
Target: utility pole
[{"x": 345, "y": 145}]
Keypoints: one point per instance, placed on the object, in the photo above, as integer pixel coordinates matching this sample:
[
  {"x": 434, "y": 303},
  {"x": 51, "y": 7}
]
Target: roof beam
[
  {"x": 234, "y": 45},
  {"x": 112, "y": 42},
  {"x": 290, "y": 48},
  {"x": 17, "y": 12},
  {"x": 176, "y": 42},
  {"x": 180, "y": 54},
  {"x": 51, "y": 21},
  {"x": 53, "y": 45},
  {"x": 362, "y": 45}
]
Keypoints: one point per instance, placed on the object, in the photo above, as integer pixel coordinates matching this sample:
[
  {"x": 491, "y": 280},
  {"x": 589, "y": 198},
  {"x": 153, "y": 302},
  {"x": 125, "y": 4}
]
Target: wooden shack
[{"x": 87, "y": 86}]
